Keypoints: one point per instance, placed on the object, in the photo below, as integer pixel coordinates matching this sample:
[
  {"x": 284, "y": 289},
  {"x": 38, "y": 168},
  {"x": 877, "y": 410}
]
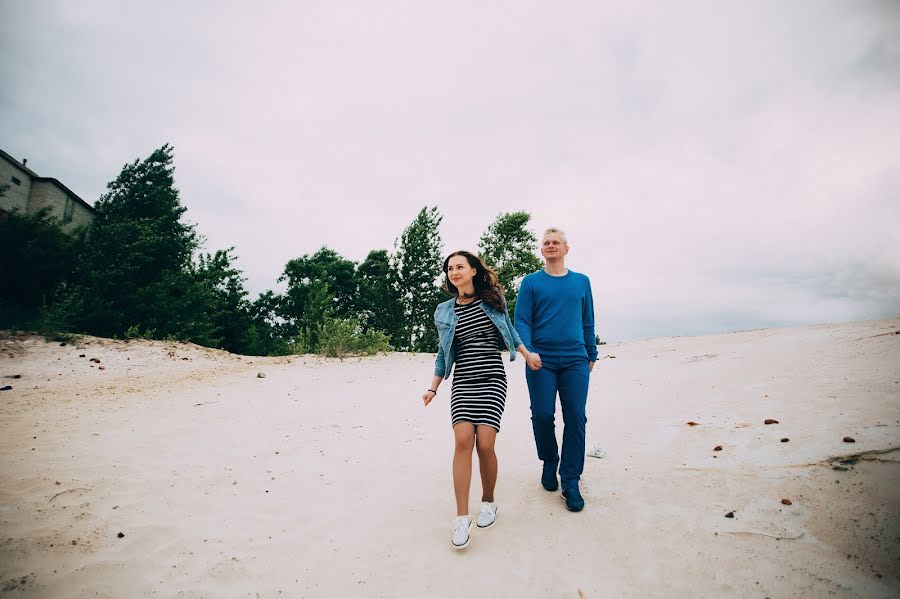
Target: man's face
[{"x": 553, "y": 247}]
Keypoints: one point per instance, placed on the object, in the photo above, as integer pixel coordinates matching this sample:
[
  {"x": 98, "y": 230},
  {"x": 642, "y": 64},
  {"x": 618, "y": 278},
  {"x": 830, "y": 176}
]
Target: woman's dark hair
[{"x": 487, "y": 286}]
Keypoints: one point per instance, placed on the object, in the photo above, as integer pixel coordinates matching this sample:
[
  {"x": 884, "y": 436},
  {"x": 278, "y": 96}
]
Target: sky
[{"x": 716, "y": 165}]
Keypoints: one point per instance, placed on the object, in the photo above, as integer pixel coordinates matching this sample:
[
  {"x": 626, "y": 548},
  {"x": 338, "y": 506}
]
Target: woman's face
[{"x": 459, "y": 272}]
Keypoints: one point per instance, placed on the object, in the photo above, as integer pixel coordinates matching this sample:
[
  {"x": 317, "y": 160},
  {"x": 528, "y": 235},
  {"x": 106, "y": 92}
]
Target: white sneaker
[
  {"x": 488, "y": 514},
  {"x": 461, "y": 527}
]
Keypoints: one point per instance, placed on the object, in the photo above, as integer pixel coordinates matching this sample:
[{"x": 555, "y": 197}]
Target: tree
[
  {"x": 378, "y": 301},
  {"x": 133, "y": 269},
  {"x": 222, "y": 304},
  {"x": 269, "y": 332},
  {"x": 36, "y": 259},
  {"x": 418, "y": 265},
  {"x": 320, "y": 285},
  {"x": 508, "y": 247}
]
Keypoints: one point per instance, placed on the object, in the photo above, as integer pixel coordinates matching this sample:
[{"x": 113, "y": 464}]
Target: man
[{"x": 555, "y": 318}]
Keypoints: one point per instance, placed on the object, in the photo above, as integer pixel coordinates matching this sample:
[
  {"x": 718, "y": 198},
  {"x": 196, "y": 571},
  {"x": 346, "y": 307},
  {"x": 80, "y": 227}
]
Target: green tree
[
  {"x": 134, "y": 268},
  {"x": 269, "y": 332},
  {"x": 378, "y": 300},
  {"x": 417, "y": 262},
  {"x": 508, "y": 247},
  {"x": 320, "y": 285},
  {"x": 222, "y": 304},
  {"x": 37, "y": 259}
]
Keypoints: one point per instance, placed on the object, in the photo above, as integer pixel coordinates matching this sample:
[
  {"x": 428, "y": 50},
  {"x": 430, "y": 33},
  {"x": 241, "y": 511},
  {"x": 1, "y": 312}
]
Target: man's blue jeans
[{"x": 570, "y": 377}]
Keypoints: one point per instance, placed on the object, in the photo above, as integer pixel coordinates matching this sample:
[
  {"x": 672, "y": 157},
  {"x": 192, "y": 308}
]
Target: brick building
[{"x": 27, "y": 193}]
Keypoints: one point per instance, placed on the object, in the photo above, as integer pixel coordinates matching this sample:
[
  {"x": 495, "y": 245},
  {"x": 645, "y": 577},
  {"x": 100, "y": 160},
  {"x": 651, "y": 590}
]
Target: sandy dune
[{"x": 328, "y": 478}]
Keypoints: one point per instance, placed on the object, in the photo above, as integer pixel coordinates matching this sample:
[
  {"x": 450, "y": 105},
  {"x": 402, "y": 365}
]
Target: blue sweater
[{"x": 555, "y": 315}]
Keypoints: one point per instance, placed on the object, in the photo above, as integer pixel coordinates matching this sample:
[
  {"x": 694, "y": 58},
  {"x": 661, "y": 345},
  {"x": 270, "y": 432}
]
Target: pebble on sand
[
  {"x": 849, "y": 440},
  {"x": 692, "y": 423},
  {"x": 786, "y": 501},
  {"x": 120, "y": 535},
  {"x": 729, "y": 515},
  {"x": 770, "y": 421},
  {"x": 785, "y": 440},
  {"x": 717, "y": 448}
]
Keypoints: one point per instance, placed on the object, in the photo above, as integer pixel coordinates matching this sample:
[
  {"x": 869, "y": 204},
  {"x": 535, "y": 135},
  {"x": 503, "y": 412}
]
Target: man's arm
[
  {"x": 587, "y": 322},
  {"x": 524, "y": 313}
]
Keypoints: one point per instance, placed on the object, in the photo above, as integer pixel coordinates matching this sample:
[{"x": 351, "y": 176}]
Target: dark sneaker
[
  {"x": 548, "y": 477},
  {"x": 574, "y": 501}
]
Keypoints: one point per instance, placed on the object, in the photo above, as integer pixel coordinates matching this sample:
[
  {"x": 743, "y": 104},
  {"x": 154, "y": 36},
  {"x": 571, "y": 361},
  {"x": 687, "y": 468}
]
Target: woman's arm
[
  {"x": 432, "y": 391},
  {"x": 533, "y": 359}
]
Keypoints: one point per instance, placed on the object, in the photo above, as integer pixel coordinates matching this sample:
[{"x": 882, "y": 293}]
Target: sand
[{"x": 328, "y": 478}]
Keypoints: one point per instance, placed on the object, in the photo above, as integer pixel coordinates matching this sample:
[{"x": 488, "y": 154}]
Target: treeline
[{"x": 138, "y": 272}]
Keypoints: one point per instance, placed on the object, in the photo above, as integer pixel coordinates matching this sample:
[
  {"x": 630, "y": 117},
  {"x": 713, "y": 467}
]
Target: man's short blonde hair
[{"x": 559, "y": 232}]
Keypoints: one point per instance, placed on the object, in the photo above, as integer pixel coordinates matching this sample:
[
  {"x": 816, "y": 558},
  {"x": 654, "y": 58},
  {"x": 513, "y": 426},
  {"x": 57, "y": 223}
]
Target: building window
[
  {"x": 16, "y": 180},
  {"x": 67, "y": 212}
]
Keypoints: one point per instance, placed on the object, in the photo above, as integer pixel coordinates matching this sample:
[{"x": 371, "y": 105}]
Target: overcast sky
[{"x": 717, "y": 165}]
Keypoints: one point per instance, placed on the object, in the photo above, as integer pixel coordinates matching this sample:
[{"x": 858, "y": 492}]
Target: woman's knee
[
  {"x": 485, "y": 448},
  {"x": 465, "y": 442}
]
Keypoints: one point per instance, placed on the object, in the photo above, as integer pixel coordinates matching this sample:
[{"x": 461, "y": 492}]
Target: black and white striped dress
[{"x": 479, "y": 379}]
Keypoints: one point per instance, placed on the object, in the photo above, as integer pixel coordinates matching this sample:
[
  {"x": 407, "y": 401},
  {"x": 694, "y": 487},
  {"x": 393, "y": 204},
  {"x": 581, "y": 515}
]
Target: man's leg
[
  {"x": 574, "y": 376},
  {"x": 542, "y": 390}
]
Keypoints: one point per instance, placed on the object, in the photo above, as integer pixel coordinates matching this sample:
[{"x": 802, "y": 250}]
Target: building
[{"x": 27, "y": 193}]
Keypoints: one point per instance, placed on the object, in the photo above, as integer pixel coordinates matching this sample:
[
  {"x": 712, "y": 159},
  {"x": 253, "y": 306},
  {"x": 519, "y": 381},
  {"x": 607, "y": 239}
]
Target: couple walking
[{"x": 554, "y": 332}]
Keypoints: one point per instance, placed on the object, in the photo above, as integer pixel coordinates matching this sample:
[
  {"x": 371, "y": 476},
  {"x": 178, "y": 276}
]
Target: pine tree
[
  {"x": 138, "y": 254},
  {"x": 417, "y": 262},
  {"x": 509, "y": 248},
  {"x": 378, "y": 302}
]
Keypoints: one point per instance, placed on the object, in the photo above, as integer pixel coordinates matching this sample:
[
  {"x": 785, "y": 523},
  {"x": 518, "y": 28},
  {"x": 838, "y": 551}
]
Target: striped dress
[{"x": 478, "y": 393}]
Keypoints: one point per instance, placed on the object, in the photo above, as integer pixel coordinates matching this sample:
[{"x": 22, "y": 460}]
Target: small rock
[
  {"x": 770, "y": 421},
  {"x": 101, "y": 367},
  {"x": 785, "y": 440},
  {"x": 717, "y": 448},
  {"x": 13, "y": 376},
  {"x": 692, "y": 423},
  {"x": 74, "y": 542},
  {"x": 97, "y": 360},
  {"x": 63, "y": 344},
  {"x": 729, "y": 515},
  {"x": 6, "y": 388},
  {"x": 849, "y": 440},
  {"x": 120, "y": 535},
  {"x": 260, "y": 375},
  {"x": 840, "y": 468},
  {"x": 80, "y": 355},
  {"x": 786, "y": 501}
]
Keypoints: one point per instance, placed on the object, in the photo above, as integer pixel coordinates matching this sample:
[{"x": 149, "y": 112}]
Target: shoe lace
[{"x": 461, "y": 528}]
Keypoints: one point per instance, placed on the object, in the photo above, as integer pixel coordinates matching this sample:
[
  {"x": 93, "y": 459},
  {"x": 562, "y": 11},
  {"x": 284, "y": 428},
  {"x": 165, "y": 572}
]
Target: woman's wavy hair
[{"x": 487, "y": 286}]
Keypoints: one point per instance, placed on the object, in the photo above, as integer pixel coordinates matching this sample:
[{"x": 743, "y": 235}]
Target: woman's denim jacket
[{"x": 445, "y": 319}]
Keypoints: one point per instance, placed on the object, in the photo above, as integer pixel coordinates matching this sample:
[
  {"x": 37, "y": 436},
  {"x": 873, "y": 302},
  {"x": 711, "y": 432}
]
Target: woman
[{"x": 473, "y": 327}]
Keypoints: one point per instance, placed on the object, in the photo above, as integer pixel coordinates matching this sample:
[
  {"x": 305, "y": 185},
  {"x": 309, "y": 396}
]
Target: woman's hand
[
  {"x": 428, "y": 396},
  {"x": 533, "y": 359}
]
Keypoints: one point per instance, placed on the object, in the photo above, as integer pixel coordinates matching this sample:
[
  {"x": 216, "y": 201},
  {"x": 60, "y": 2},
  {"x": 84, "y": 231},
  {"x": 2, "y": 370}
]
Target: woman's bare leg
[
  {"x": 464, "y": 433},
  {"x": 487, "y": 460}
]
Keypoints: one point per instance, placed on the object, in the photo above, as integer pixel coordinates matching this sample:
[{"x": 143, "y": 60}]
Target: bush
[
  {"x": 340, "y": 337},
  {"x": 134, "y": 332}
]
